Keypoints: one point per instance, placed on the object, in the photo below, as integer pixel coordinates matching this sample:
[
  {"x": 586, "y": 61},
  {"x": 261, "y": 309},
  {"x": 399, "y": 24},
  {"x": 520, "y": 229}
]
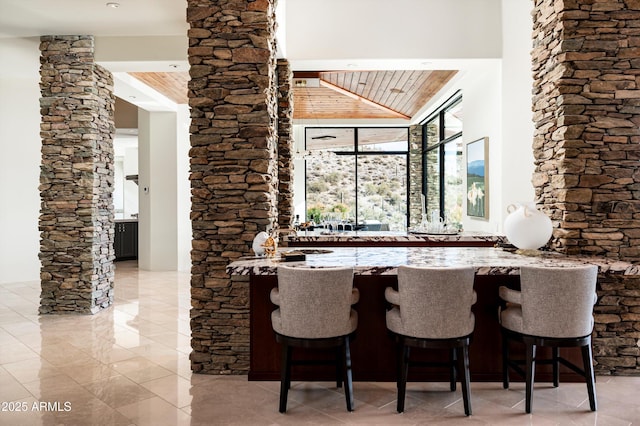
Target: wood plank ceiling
[
  {"x": 173, "y": 85},
  {"x": 336, "y": 94},
  {"x": 365, "y": 94}
]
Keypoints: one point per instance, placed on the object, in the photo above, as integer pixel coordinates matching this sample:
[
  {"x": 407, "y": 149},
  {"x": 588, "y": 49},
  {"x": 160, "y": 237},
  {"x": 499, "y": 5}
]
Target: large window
[
  {"x": 357, "y": 176},
  {"x": 443, "y": 162}
]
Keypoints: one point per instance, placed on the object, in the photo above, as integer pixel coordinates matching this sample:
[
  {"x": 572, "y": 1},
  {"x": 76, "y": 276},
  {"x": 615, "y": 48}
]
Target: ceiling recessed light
[{"x": 113, "y": 5}]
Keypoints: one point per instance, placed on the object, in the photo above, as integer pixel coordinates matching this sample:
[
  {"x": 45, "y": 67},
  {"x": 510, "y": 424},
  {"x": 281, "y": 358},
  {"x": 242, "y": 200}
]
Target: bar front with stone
[{"x": 375, "y": 268}]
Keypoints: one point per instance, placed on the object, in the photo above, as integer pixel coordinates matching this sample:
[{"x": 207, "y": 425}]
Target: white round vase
[
  {"x": 258, "y": 243},
  {"x": 526, "y": 227}
]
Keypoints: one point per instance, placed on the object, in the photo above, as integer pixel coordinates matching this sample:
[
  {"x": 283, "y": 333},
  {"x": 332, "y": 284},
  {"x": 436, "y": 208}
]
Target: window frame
[
  {"x": 357, "y": 153},
  {"x": 439, "y": 115}
]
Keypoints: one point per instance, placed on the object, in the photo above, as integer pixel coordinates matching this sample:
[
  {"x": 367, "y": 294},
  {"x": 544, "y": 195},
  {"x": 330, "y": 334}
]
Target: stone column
[
  {"x": 76, "y": 180},
  {"x": 415, "y": 174},
  {"x": 233, "y": 100},
  {"x": 586, "y": 103},
  {"x": 285, "y": 145}
]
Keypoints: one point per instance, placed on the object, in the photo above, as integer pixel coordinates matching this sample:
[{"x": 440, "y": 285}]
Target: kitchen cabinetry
[{"x": 126, "y": 240}]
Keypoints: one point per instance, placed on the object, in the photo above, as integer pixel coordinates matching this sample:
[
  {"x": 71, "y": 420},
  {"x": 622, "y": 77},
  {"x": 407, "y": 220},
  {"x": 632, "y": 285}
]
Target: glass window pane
[
  {"x": 453, "y": 120},
  {"x": 331, "y": 184},
  {"x": 332, "y": 139},
  {"x": 432, "y": 173},
  {"x": 383, "y": 139},
  {"x": 382, "y": 192},
  {"x": 432, "y": 130},
  {"x": 453, "y": 182}
]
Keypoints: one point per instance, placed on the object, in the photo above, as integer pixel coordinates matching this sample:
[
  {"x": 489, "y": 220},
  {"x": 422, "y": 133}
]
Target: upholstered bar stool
[
  {"x": 432, "y": 310},
  {"x": 553, "y": 308},
  {"x": 315, "y": 312}
]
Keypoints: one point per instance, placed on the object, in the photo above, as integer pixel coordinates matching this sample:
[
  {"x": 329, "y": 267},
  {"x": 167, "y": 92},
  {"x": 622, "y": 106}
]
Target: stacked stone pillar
[
  {"x": 233, "y": 100},
  {"x": 586, "y": 64},
  {"x": 76, "y": 180},
  {"x": 415, "y": 175},
  {"x": 285, "y": 145}
]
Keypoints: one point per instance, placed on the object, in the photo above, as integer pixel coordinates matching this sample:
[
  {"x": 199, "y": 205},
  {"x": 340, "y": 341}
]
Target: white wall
[
  {"x": 482, "y": 104},
  {"x": 517, "y": 118},
  {"x": 157, "y": 178},
  {"x": 183, "y": 189},
  {"x": 383, "y": 29},
  {"x": 19, "y": 160},
  {"x": 130, "y": 189}
]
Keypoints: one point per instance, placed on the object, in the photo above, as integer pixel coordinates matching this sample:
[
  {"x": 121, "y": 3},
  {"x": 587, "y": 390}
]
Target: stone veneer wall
[
  {"x": 586, "y": 64},
  {"x": 415, "y": 174},
  {"x": 285, "y": 145},
  {"x": 433, "y": 169},
  {"x": 233, "y": 154},
  {"x": 616, "y": 337},
  {"x": 76, "y": 179}
]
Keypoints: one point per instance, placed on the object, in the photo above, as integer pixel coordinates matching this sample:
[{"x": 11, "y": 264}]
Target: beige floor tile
[
  {"x": 118, "y": 391},
  {"x": 90, "y": 412},
  {"x": 11, "y": 389},
  {"x": 58, "y": 387},
  {"x": 140, "y": 369},
  {"x": 173, "y": 340},
  {"x": 173, "y": 389},
  {"x": 88, "y": 371},
  {"x": 15, "y": 351},
  {"x": 22, "y": 414},
  {"x": 31, "y": 369},
  {"x": 129, "y": 365},
  {"x": 156, "y": 412}
]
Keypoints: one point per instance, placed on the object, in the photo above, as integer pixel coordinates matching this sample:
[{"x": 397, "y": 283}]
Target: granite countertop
[
  {"x": 385, "y": 260},
  {"x": 379, "y": 236}
]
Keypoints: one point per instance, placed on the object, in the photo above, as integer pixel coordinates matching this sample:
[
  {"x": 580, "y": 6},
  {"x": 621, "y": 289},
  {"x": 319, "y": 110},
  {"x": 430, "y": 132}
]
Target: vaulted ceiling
[
  {"x": 337, "y": 94},
  {"x": 365, "y": 94}
]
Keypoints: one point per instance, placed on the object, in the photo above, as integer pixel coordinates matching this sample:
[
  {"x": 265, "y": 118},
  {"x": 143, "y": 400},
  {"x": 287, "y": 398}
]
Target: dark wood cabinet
[{"x": 125, "y": 242}]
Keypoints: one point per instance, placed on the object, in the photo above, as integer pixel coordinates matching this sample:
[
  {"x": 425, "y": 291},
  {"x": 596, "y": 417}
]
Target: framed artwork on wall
[{"x": 477, "y": 178}]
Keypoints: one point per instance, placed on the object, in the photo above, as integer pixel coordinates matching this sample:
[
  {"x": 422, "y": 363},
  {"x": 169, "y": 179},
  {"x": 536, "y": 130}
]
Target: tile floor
[{"x": 129, "y": 365}]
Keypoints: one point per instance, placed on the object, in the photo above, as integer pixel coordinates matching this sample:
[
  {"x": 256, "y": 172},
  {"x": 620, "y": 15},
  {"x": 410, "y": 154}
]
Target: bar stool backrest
[
  {"x": 435, "y": 303},
  {"x": 315, "y": 302},
  {"x": 558, "y": 302}
]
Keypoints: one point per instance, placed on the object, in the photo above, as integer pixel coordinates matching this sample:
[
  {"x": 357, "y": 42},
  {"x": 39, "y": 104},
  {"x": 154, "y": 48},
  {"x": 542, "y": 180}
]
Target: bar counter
[
  {"x": 385, "y": 260},
  {"x": 390, "y": 239},
  {"x": 374, "y": 350}
]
